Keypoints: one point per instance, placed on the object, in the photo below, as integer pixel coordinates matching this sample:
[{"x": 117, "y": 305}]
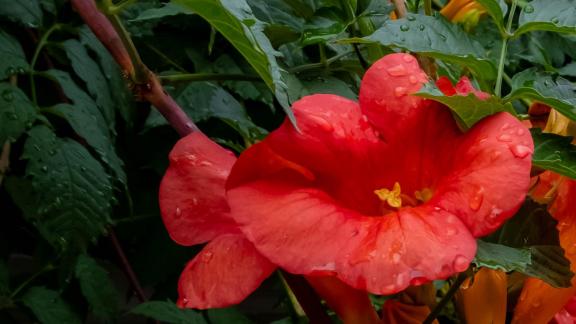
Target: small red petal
[
  {"x": 224, "y": 273},
  {"x": 192, "y": 193}
]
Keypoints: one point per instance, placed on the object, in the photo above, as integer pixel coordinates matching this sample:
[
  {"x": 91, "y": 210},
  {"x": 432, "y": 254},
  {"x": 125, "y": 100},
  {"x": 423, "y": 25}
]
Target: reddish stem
[
  {"x": 126, "y": 265},
  {"x": 105, "y": 32},
  {"x": 151, "y": 89}
]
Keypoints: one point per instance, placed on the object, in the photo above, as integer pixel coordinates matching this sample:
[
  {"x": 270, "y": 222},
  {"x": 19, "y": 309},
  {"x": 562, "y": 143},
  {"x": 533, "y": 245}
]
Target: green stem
[
  {"x": 186, "y": 77},
  {"x": 140, "y": 70},
  {"x": 166, "y": 58},
  {"x": 501, "y": 63},
  {"x": 41, "y": 43},
  {"x": 322, "y": 51},
  {"x": 444, "y": 301},
  {"x": 116, "y": 9},
  {"x": 48, "y": 267},
  {"x": 312, "y": 66},
  {"x": 498, "y": 87},
  {"x": 428, "y": 7}
]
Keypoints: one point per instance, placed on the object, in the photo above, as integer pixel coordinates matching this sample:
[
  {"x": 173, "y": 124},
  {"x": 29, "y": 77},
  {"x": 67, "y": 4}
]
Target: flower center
[{"x": 394, "y": 197}]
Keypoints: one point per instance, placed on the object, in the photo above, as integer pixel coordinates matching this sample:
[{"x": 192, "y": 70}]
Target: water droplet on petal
[
  {"x": 185, "y": 301},
  {"x": 460, "y": 263},
  {"x": 505, "y": 138},
  {"x": 476, "y": 200},
  {"x": 408, "y": 58},
  {"x": 450, "y": 231},
  {"x": 396, "y": 258},
  {"x": 398, "y": 70},
  {"x": 322, "y": 123},
  {"x": 178, "y": 212},
  {"x": 206, "y": 163},
  {"x": 520, "y": 151},
  {"x": 413, "y": 79},
  {"x": 399, "y": 91},
  {"x": 536, "y": 303},
  {"x": 528, "y": 9},
  {"x": 505, "y": 126},
  {"x": 401, "y": 280},
  {"x": 404, "y": 27},
  {"x": 520, "y": 132},
  {"x": 206, "y": 257}
]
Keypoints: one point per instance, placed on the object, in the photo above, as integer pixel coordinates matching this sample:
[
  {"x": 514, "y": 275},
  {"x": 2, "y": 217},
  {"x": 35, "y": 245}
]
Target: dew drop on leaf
[
  {"x": 8, "y": 95},
  {"x": 404, "y": 28},
  {"x": 528, "y": 9}
]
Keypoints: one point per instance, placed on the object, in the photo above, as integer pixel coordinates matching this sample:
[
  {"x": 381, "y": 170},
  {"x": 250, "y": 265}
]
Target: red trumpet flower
[{"x": 382, "y": 194}]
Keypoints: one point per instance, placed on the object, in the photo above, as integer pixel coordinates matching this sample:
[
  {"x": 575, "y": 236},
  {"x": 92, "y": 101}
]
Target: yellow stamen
[
  {"x": 391, "y": 197},
  {"x": 423, "y": 195}
]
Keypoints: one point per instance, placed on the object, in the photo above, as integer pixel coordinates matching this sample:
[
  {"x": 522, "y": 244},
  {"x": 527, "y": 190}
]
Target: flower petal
[
  {"x": 490, "y": 176},
  {"x": 192, "y": 193},
  {"x": 303, "y": 230},
  {"x": 385, "y": 94},
  {"x": 225, "y": 272}
]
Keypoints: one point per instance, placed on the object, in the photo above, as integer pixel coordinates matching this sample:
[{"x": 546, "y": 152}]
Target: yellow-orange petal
[{"x": 483, "y": 298}]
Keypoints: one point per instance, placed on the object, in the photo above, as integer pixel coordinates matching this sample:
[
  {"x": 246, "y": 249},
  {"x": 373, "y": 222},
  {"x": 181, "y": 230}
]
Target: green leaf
[
  {"x": 550, "y": 265},
  {"x": 556, "y": 16},
  {"x": 227, "y": 315},
  {"x": 235, "y": 21},
  {"x": 95, "y": 81},
  {"x": 97, "y": 287},
  {"x": 496, "y": 9},
  {"x": 72, "y": 192},
  {"x": 4, "y": 279},
  {"x": 25, "y": 12},
  {"x": 87, "y": 121},
  {"x": 168, "y": 312},
  {"x": 435, "y": 37},
  {"x": 204, "y": 100},
  {"x": 12, "y": 57},
  {"x": 121, "y": 95},
  {"x": 531, "y": 225},
  {"x": 322, "y": 29},
  {"x": 245, "y": 89},
  {"x": 568, "y": 70},
  {"x": 556, "y": 92},
  {"x": 16, "y": 112},
  {"x": 501, "y": 257},
  {"x": 554, "y": 152},
  {"x": 167, "y": 10},
  {"x": 543, "y": 262},
  {"x": 470, "y": 109},
  {"x": 49, "y": 307}
]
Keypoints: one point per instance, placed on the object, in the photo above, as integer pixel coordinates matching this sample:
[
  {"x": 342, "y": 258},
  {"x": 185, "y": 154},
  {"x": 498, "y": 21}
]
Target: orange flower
[
  {"x": 539, "y": 302},
  {"x": 482, "y": 299},
  {"x": 467, "y": 12}
]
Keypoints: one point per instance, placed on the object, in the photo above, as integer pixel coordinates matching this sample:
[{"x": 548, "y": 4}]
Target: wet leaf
[
  {"x": 12, "y": 57},
  {"x": 49, "y": 307},
  {"x": 557, "y": 16},
  {"x": 554, "y": 152},
  {"x": 496, "y": 9},
  {"x": 97, "y": 287},
  {"x": 470, "y": 109},
  {"x": 16, "y": 112},
  {"x": 26, "y": 12},
  {"x": 168, "y": 312}
]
